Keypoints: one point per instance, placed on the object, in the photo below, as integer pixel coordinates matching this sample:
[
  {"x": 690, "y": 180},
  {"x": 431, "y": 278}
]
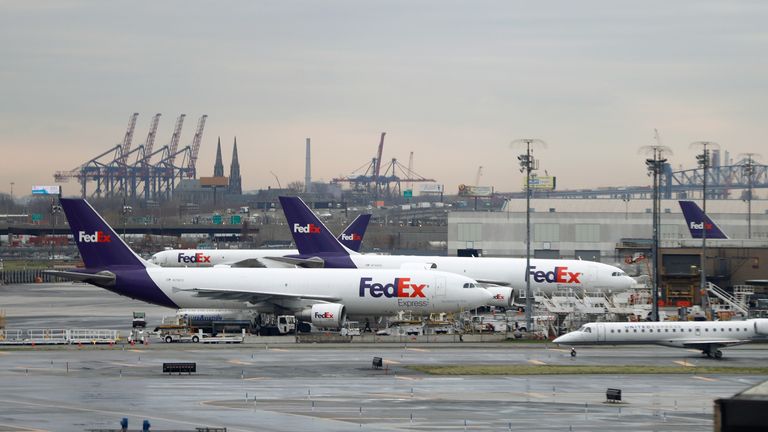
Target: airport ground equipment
[
  {"x": 186, "y": 367},
  {"x": 170, "y": 333},
  {"x": 377, "y": 363},
  {"x": 613, "y": 395}
]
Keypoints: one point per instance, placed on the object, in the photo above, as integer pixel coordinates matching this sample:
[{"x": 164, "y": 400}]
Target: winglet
[
  {"x": 697, "y": 221},
  {"x": 352, "y": 236},
  {"x": 309, "y": 233}
]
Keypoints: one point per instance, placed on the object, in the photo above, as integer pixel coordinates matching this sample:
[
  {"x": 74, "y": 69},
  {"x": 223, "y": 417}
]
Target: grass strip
[{"x": 586, "y": 370}]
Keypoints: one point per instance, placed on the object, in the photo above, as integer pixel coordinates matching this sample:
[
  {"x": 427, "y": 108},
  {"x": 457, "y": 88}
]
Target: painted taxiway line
[
  {"x": 705, "y": 378},
  {"x": 239, "y": 362},
  {"x": 20, "y": 428}
]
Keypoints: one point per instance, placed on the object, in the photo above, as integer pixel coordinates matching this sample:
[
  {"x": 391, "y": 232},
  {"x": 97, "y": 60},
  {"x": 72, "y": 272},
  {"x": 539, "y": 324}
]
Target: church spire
[
  {"x": 218, "y": 167},
  {"x": 235, "y": 184}
]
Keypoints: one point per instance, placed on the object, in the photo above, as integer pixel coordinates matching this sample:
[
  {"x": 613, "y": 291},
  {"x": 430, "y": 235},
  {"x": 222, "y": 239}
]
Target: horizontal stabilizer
[{"x": 100, "y": 278}]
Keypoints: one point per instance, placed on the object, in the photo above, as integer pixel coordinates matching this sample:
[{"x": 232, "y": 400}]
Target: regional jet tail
[
  {"x": 697, "y": 222},
  {"x": 707, "y": 336}
]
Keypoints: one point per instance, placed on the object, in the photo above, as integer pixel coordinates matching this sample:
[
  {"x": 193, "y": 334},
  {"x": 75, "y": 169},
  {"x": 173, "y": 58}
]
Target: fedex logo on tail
[
  {"x": 558, "y": 275},
  {"x": 196, "y": 258},
  {"x": 96, "y": 237},
  {"x": 701, "y": 225},
  {"x": 351, "y": 237},
  {"x": 306, "y": 229},
  {"x": 401, "y": 287}
]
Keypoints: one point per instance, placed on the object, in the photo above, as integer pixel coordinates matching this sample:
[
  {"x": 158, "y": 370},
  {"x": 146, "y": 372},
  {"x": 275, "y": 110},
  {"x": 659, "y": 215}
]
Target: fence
[{"x": 23, "y": 276}]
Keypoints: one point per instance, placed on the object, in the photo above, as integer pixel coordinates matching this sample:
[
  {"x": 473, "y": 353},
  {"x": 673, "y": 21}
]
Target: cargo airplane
[
  {"x": 351, "y": 237},
  {"x": 707, "y": 336},
  {"x": 321, "y": 296},
  {"x": 318, "y": 248}
]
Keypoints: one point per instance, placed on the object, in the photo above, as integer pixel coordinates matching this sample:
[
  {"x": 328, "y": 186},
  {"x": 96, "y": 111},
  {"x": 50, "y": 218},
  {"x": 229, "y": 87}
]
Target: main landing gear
[{"x": 716, "y": 353}]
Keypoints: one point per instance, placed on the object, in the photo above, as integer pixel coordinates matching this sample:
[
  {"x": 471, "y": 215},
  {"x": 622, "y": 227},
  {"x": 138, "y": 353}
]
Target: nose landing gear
[{"x": 573, "y": 352}]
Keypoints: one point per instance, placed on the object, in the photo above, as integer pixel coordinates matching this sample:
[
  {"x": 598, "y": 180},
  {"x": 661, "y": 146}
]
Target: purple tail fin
[
  {"x": 98, "y": 244},
  {"x": 352, "y": 236},
  {"x": 697, "y": 221},
  {"x": 309, "y": 233}
]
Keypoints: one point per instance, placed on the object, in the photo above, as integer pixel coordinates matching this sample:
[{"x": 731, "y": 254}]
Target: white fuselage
[
  {"x": 547, "y": 275},
  {"x": 214, "y": 257},
  {"x": 679, "y": 334},
  {"x": 362, "y": 292}
]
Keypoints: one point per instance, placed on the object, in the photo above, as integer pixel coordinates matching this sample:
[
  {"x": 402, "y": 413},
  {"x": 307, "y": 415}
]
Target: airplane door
[
  {"x": 600, "y": 333},
  {"x": 440, "y": 286},
  {"x": 698, "y": 331},
  {"x": 592, "y": 273}
]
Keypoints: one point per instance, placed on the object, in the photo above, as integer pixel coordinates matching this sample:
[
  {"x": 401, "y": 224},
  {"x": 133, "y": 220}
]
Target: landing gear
[
  {"x": 573, "y": 352},
  {"x": 716, "y": 354}
]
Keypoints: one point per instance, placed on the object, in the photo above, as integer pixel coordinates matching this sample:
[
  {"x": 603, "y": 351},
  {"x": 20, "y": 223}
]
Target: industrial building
[{"x": 620, "y": 232}]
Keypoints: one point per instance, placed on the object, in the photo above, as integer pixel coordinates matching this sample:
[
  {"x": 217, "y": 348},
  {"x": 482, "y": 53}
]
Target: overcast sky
[{"x": 453, "y": 81}]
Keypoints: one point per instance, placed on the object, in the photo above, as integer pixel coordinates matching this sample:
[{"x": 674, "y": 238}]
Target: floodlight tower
[
  {"x": 748, "y": 169},
  {"x": 704, "y": 163},
  {"x": 528, "y": 164},
  {"x": 655, "y": 166}
]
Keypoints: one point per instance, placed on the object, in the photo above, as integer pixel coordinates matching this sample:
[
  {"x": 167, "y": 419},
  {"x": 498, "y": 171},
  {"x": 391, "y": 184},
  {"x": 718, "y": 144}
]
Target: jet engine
[
  {"x": 761, "y": 326},
  {"x": 324, "y": 315},
  {"x": 501, "y": 296}
]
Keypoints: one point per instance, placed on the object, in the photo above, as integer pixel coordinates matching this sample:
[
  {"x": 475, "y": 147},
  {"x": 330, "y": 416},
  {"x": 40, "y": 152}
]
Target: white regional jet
[
  {"x": 707, "y": 336},
  {"x": 318, "y": 248},
  {"x": 321, "y": 296}
]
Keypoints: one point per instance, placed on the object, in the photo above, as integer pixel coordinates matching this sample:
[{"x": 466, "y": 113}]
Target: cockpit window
[
  {"x": 618, "y": 274},
  {"x": 585, "y": 329},
  {"x": 470, "y": 285}
]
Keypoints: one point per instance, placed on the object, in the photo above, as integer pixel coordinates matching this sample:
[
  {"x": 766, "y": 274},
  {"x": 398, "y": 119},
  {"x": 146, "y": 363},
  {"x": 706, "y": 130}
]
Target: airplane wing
[
  {"x": 248, "y": 263},
  {"x": 493, "y": 282},
  {"x": 314, "y": 262},
  {"x": 715, "y": 343},
  {"x": 254, "y": 296},
  {"x": 101, "y": 278}
]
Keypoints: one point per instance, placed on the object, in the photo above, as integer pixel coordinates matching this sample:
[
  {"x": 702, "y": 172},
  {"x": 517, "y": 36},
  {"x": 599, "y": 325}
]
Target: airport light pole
[
  {"x": 55, "y": 209},
  {"x": 125, "y": 211},
  {"x": 749, "y": 170},
  {"x": 704, "y": 162},
  {"x": 626, "y": 199},
  {"x": 528, "y": 164},
  {"x": 655, "y": 165}
]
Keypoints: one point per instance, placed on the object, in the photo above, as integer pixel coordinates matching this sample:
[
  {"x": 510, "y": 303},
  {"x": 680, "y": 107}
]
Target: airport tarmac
[{"x": 289, "y": 387}]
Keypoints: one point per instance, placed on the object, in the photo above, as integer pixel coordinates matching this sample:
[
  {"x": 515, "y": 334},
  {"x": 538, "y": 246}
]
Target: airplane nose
[
  {"x": 486, "y": 295},
  {"x": 562, "y": 339}
]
